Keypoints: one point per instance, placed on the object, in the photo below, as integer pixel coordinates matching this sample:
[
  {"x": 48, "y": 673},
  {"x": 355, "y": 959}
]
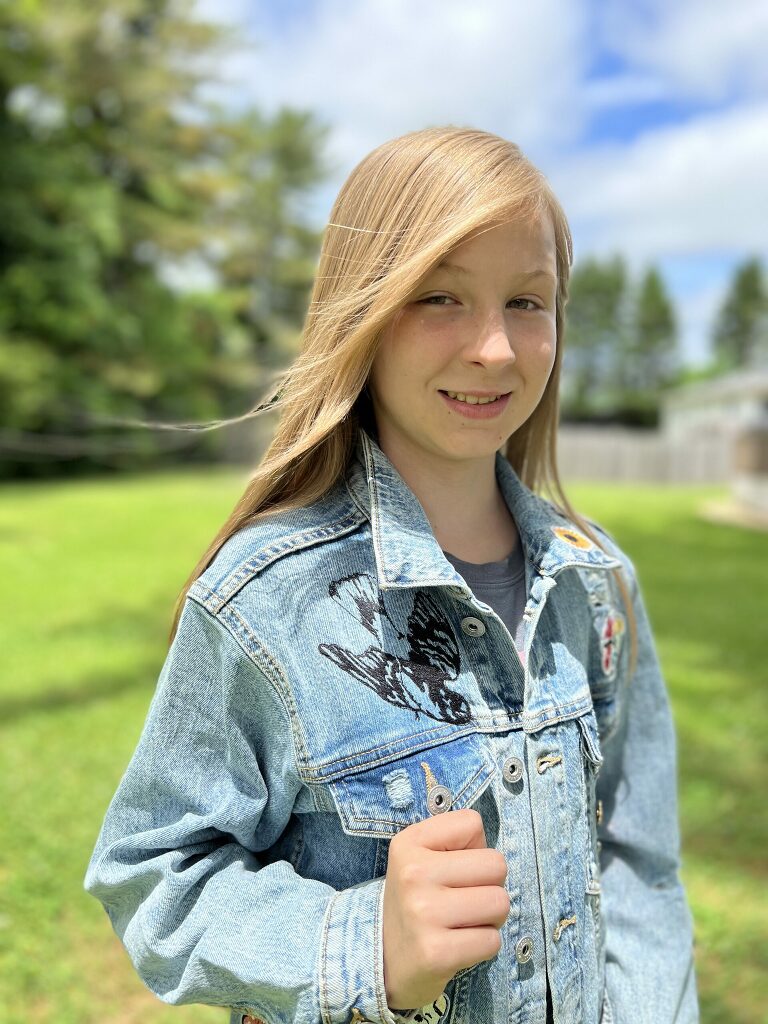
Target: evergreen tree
[
  {"x": 595, "y": 322},
  {"x": 650, "y": 361},
  {"x": 114, "y": 167},
  {"x": 739, "y": 334},
  {"x": 621, "y": 345}
]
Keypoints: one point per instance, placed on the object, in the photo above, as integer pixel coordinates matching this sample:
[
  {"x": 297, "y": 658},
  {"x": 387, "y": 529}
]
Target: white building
[
  {"x": 721, "y": 407},
  {"x": 730, "y": 414}
]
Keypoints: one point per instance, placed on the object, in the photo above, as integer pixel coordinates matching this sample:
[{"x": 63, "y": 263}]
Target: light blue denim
[{"x": 331, "y": 668}]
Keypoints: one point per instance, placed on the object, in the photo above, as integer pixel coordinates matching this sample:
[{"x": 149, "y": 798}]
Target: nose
[{"x": 493, "y": 342}]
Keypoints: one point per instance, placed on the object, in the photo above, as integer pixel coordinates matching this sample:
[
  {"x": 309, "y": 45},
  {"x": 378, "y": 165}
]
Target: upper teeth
[{"x": 472, "y": 399}]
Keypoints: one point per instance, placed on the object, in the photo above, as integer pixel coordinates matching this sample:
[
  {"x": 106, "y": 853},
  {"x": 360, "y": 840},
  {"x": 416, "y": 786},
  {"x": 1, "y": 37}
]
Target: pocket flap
[{"x": 383, "y": 800}]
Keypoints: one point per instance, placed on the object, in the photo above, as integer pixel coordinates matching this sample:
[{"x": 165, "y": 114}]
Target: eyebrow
[{"x": 529, "y": 276}]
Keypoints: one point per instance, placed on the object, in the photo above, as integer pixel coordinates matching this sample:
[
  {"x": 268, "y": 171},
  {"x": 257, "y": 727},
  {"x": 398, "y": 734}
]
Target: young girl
[{"x": 411, "y": 756}]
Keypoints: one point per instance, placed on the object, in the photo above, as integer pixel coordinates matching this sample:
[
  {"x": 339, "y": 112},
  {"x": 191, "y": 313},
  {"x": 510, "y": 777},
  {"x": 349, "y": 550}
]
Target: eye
[{"x": 434, "y": 300}]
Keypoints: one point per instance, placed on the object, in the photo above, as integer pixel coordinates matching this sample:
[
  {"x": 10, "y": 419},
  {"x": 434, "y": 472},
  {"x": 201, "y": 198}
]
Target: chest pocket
[{"x": 384, "y": 799}]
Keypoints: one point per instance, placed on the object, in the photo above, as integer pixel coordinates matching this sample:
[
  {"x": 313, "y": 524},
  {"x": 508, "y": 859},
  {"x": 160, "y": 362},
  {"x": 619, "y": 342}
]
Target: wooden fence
[
  {"x": 621, "y": 453},
  {"x": 584, "y": 453}
]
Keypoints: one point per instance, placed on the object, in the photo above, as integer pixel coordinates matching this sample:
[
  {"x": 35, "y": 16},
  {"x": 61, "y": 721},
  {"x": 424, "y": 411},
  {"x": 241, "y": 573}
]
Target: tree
[
  {"x": 114, "y": 167},
  {"x": 650, "y": 361},
  {"x": 621, "y": 348},
  {"x": 739, "y": 334},
  {"x": 595, "y": 321}
]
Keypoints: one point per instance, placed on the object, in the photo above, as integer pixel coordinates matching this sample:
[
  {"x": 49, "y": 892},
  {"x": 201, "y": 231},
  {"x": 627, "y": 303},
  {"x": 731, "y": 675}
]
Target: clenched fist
[{"x": 444, "y": 903}]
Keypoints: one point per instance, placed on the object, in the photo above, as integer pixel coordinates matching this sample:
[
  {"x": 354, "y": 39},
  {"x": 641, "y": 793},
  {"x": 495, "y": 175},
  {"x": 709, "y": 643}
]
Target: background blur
[{"x": 166, "y": 169}]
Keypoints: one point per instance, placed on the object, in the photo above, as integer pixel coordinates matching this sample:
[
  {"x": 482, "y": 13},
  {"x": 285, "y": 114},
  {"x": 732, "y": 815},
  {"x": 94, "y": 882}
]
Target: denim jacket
[{"x": 334, "y": 680}]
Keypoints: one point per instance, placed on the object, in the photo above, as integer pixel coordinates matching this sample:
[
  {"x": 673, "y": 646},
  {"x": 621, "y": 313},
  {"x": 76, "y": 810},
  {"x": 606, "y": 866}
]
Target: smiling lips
[
  {"x": 474, "y": 394},
  {"x": 471, "y": 399},
  {"x": 475, "y": 410}
]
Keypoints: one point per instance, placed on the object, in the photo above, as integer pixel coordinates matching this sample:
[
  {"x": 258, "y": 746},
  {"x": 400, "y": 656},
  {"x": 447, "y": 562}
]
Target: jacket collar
[{"x": 407, "y": 551}]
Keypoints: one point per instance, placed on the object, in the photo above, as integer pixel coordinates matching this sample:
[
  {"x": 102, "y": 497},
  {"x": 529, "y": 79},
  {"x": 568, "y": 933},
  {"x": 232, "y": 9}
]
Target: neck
[{"x": 463, "y": 503}]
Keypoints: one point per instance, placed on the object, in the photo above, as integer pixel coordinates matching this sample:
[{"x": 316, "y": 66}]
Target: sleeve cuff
[
  {"x": 352, "y": 965},
  {"x": 352, "y": 958}
]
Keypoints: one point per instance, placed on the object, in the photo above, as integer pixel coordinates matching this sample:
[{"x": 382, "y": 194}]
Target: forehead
[
  {"x": 524, "y": 247},
  {"x": 530, "y": 235}
]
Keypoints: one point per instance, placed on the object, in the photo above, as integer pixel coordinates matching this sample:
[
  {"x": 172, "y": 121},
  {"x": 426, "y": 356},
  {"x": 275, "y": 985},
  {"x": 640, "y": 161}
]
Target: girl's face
[{"x": 489, "y": 327}]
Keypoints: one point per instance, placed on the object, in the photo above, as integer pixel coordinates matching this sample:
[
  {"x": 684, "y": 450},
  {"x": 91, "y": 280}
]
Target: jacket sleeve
[
  {"x": 177, "y": 865},
  {"x": 650, "y": 977}
]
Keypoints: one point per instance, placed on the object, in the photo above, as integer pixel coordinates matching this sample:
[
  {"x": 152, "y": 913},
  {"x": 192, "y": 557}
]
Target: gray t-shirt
[{"x": 501, "y": 585}]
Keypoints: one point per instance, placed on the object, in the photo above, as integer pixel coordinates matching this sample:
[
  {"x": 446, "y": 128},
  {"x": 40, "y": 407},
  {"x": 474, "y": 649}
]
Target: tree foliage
[
  {"x": 740, "y": 334},
  {"x": 621, "y": 344},
  {"x": 115, "y": 171}
]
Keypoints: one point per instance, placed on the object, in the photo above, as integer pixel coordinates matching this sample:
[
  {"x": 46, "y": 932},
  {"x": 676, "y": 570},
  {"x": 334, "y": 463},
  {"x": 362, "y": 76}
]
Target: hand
[{"x": 444, "y": 903}]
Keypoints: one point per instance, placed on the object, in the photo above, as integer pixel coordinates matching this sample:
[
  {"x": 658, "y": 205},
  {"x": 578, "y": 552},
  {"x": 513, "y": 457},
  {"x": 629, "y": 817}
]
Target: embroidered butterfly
[{"x": 418, "y": 681}]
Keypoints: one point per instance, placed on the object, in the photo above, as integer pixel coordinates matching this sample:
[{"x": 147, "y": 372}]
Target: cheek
[
  {"x": 546, "y": 349},
  {"x": 551, "y": 353},
  {"x": 395, "y": 365}
]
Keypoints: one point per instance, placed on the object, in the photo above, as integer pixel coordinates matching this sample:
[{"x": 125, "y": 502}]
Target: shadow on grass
[
  {"x": 89, "y": 691},
  {"x": 139, "y": 632}
]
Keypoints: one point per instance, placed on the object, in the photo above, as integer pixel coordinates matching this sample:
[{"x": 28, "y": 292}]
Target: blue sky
[{"x": 649, "y": 118}]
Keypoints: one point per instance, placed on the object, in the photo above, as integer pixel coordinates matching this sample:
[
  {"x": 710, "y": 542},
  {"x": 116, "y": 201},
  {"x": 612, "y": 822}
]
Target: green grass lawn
[{"x": 91, "y": 570}]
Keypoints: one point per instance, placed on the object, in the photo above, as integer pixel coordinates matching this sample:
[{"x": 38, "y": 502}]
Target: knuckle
[
  {"x": 432, "y": 954},
  {"x": 419, "y": 906},
  {"x": 411, "y": 874}
]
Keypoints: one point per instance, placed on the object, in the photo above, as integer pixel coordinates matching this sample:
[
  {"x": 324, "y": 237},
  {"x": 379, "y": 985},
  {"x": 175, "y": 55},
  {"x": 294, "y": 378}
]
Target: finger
[
  {"x": 472, "y": 907},
  {"x": 485, "y": 866},
  {"x": 468, "y": 946},
  {"x": 454, "y": 830}
]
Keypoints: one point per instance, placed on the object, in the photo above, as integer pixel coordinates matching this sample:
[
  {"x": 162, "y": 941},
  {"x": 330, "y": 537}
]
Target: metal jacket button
[
  {"x": 524, "y": 949},
  {"x": 439, "y": 799},
  {"x": 512, "y": 769},
  {"x": 472, "y": 626}
]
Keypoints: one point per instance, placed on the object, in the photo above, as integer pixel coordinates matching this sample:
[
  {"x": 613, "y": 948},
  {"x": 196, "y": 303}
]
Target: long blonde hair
[{"x": 403, "y": 208}]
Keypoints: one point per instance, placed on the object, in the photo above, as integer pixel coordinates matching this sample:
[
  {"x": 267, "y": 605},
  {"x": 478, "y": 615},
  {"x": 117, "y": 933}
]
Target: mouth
[
  {"x": 477, "y": 410},
  {"x": 476, "y": 394}
]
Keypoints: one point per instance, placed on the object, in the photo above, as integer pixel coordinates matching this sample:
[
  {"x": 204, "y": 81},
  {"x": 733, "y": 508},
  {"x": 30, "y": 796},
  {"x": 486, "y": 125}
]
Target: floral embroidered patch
[{"x": 572, "y": 537}]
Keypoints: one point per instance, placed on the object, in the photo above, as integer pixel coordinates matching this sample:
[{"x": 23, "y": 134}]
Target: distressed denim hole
[{"x": 398, "y": 787}]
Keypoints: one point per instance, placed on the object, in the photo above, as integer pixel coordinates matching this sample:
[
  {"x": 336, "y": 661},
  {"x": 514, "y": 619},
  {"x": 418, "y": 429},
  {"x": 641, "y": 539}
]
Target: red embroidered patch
[{"x": 610, "y": 642}]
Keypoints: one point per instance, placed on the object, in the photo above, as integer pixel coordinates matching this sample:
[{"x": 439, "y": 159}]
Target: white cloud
[
  {"x": 685, "y": 189},
  {"x": 379, "y": 68},
  {"x": 702, "y": 48}
]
